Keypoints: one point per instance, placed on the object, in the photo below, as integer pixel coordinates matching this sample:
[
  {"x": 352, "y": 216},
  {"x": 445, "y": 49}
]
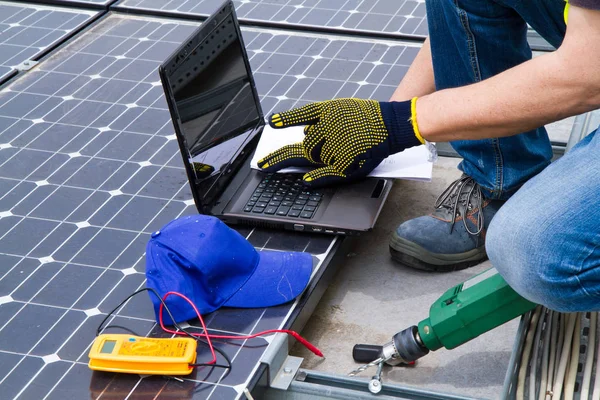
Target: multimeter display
[
  {"x": 140, "y": 355},
  {"x": 108, "y": 346}
]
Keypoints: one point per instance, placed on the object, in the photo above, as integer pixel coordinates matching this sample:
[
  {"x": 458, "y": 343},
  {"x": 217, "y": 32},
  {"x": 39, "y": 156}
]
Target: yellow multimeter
[{"x": 140, "y": 355}]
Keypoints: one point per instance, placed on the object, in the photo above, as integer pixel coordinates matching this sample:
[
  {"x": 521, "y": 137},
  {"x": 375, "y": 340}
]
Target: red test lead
[{"x": 208, "y": 336}]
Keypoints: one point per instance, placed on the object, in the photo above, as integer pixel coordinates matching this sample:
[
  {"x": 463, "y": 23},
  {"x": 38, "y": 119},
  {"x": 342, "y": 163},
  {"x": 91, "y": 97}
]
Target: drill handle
[{"x": 365, "y": 353}]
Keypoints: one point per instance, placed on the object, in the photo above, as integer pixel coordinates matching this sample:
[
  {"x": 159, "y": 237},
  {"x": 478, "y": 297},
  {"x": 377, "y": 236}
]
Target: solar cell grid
[
  {"x": 406, "y": 17},
  {"x": 80, "y": 2},
  {"x": 89, "y": 167},
  {"x": 29, "y": 31}
]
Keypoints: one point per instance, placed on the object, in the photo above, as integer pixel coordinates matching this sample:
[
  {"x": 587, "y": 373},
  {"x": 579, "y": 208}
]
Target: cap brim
[{"x": 279, "y": 278}]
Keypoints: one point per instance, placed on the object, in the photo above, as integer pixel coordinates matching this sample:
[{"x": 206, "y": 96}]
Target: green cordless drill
[{"x": 462, "y": 313}]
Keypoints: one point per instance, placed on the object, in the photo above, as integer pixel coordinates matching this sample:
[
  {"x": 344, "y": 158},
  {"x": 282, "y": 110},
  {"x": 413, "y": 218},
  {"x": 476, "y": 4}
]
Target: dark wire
[
  {"x": 123, "y": 328},
  {"x": 175, "y": 324}
]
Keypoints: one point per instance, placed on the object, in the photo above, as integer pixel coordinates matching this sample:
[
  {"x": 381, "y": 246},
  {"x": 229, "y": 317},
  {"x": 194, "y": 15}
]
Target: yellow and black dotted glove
[{"x": 345, "y": 139}]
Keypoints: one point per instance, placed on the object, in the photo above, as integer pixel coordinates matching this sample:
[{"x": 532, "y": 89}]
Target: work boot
[{"x": 453, "y": 237}]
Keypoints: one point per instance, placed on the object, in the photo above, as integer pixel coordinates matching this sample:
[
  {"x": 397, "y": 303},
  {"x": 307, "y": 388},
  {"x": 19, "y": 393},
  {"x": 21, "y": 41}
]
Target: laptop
[{"x": 218, "y": 122}]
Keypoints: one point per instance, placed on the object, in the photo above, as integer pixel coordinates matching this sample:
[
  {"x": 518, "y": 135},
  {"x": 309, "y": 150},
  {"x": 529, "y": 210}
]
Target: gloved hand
[{"x": 345, "y": 139}]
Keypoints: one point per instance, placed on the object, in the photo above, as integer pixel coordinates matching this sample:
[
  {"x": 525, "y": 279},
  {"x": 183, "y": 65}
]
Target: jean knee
[
  {"x": 516, "y": 249},
  {"x": 525, "y": 255},
  {"x": 504, "y": 245}
]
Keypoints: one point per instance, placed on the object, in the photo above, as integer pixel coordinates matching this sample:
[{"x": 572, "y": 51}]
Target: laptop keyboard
[{"x": 285, "y": 196}]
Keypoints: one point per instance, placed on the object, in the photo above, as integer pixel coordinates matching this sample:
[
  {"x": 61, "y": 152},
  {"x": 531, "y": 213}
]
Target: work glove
[{"x": 345, "y": 139}]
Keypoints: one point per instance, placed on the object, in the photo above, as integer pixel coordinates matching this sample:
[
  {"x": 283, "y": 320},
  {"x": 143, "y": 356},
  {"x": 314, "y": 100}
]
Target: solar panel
[
  {"x": 89, "y": 167},
  {"x": 88, "y": 3},
  {"x": 405, "y": 17},
  {"x": 29, "y": 31}
]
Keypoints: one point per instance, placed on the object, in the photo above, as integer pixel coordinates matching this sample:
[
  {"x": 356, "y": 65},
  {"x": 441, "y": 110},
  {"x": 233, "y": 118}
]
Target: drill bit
[{"x": 366, "y": 366}]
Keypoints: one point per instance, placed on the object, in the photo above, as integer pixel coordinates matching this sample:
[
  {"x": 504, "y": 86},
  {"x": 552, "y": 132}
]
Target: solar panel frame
[{"x": 6, "y": 73}]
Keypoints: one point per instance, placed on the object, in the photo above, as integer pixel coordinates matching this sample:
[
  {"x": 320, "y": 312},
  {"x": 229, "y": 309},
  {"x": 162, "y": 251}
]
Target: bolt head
[
  {"x": 287, "y": 370},
  {"x": 374, "y": 386}
]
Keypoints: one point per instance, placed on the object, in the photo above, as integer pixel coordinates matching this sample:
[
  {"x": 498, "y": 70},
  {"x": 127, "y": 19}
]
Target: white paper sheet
[{"x": 413, "y": 163}]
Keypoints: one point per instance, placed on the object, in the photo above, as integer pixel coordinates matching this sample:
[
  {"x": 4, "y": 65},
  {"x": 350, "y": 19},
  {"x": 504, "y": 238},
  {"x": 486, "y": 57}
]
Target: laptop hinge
[{"x": 220, "y": 193}]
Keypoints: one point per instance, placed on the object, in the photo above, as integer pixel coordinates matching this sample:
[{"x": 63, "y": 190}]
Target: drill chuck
[
  {"x": 404, "y": 348},
  {"x": 407, "y": 347}
]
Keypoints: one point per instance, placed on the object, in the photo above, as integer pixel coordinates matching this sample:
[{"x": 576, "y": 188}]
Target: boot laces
[{"x": 466, "y": 192}]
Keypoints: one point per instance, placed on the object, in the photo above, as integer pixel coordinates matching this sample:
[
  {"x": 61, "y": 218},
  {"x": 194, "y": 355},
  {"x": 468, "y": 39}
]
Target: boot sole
[{"x": 414, "y": 256}]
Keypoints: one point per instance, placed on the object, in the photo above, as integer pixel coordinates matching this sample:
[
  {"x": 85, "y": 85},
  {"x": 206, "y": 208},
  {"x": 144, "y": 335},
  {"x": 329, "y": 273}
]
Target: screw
[{"x": 287, "y": 370}]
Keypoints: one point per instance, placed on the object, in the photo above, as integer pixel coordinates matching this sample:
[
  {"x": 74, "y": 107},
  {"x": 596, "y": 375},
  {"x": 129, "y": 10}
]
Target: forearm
[
  {"x": 418, "y": 80},
  {"x": 543, "y": 90},
  {"x": 500, "y": 106}
]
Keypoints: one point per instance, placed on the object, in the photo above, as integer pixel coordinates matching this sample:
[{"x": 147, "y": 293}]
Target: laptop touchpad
[{"x": 361, "y": 189}]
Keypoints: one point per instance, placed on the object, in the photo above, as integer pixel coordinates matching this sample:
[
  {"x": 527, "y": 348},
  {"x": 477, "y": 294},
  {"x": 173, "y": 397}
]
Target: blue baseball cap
[{"x": 214, "y": 266}]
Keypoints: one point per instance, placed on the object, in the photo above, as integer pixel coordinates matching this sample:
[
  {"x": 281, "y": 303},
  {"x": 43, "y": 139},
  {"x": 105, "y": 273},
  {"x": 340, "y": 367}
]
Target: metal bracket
[
  {"x": 320, "y": 385},
  {"x": 26, "y": 65},
  {"x": 282, "y": 368},
  {"x": 286, "y": 374}
]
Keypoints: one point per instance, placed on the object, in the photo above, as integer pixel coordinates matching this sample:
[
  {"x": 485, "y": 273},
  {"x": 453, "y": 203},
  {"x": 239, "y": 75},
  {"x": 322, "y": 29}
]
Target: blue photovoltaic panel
[
  {"x": 81, "y": 2},
  {"x": 89, "y": 167},
  {"x": 293, "y": 70},
  {"x": 405, "y": 17},
  {"x": 28, "y": 31},
  {"x": 91, "y": 4}
]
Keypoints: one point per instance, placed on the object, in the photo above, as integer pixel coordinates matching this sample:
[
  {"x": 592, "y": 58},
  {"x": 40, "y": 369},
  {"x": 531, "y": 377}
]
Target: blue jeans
[
  {"x": 545, "y": 240},
  {"x": 472, "y": 40}
]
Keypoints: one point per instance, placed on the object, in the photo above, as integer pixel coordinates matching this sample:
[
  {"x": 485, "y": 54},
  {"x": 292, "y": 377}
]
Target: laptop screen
[{"x": 214, "y": 100}]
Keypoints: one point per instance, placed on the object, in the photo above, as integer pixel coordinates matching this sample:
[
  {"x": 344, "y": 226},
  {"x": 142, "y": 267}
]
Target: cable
[
  {"x": 535, "y": 360},
  {"x": 123, "y": 328},
  {"x": 299, "y": 338},
  {"x": 569, "y": 387},
  {"x": 553, "y": 347},
  {"x": 564, "y": 357},
  {"x": 596, "y": 392},
  {"x": 561, "y": 339},
  {"x": 196, "y": 336},
  {"x": 205, "y": 334},
  {"x": 175, "y": 324},
  {"x": 545, "y": 351},
  {"x": 526, "y": 354},
  {"x": 548, "y": 355},
  {"x": 589, "y": 359},
  {"x": 180, "y": 331},
  {"x": 561, "y": 324}
]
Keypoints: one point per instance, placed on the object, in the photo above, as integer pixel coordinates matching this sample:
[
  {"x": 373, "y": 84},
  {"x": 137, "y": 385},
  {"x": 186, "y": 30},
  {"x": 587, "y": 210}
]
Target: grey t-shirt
[{"x": 593, "y": 4}]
